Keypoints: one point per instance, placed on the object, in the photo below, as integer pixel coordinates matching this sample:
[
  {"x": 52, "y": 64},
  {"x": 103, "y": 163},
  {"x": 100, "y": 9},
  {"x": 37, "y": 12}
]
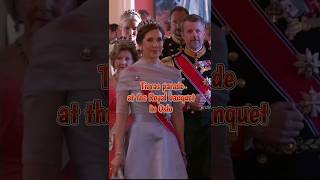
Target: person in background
[
  {"x": 144, "y": 14},
  {"x": 175, "y": 43},
  {"x": 129, "y": 21},
  {"x": 114, "y": 32},
  {"x": 123, "y": 54}
]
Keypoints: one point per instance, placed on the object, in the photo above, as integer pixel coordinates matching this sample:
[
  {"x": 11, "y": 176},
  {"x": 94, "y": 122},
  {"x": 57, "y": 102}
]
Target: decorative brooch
[{"x": 308, "y": 64}]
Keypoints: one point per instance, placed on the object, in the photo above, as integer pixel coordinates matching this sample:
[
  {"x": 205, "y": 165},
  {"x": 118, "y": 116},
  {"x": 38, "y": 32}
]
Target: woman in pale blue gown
[{"x": 152, "y": 151}]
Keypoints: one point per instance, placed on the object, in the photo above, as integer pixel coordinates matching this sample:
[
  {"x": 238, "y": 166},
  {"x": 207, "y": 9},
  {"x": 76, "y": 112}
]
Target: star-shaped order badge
[
  {"x": 204, "y": 66},
  {"x": 308, "y": 64},
  {"x": 207, "y": 81},
  {"x": 311, "y": 103}
]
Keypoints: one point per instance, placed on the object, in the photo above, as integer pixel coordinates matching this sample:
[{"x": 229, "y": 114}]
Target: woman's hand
[{"x": 116, "y": 164}]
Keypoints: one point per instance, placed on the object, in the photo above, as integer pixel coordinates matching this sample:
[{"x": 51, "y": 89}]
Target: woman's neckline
[{"x": 148, "y": 62}]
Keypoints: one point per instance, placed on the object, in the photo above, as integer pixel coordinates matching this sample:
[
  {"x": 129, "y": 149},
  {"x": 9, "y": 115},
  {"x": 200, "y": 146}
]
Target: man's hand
[
  {"x": 284, "y": 125},
  {"x": 198, "y": 103}
]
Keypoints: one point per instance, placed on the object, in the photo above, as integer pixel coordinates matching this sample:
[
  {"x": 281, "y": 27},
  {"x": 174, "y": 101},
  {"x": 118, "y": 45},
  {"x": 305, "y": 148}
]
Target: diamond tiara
[
  {"x": 130, "y": 14},
  {"x": 146, "y": 23},
  {"x": 124, "y": 41}
]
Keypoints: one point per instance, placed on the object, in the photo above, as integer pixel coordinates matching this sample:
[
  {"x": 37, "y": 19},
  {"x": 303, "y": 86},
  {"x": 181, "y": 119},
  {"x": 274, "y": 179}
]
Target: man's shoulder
[
  {"x": 168, "y": 61},
  {"x": 167, "y": 39},
  {"x": 170, "y": 42}
]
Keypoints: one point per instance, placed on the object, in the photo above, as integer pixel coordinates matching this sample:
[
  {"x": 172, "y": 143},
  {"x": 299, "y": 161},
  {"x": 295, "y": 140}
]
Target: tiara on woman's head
[
  {"x": 146, "y": 23},
  {"x": 124, "y": 41},
  {"x": 130, "y": 14}
]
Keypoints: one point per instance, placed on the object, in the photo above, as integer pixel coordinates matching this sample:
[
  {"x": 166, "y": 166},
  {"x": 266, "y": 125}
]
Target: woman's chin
[{"x": 156, "y": 55}]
